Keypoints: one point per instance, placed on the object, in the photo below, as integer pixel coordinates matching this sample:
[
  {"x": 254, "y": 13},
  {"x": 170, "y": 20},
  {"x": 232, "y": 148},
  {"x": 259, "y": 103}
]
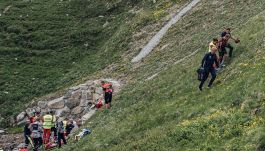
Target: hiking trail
[{"x": 157, "y": 38}]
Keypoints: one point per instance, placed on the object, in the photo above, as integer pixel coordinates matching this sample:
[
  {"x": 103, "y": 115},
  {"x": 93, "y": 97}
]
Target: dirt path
[{"x": 157, "y": 38}]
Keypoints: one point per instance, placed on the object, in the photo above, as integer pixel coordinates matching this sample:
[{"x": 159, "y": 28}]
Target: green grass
[
  {"x": 169, "y": 113},
  {"x": 48, "y": 45}
]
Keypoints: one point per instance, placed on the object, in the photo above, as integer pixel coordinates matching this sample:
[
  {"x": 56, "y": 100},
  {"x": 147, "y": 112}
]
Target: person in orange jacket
[{"x": 108, "y": 90}]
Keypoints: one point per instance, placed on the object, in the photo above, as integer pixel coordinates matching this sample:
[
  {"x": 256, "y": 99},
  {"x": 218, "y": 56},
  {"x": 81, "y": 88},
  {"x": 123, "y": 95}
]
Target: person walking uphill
[
  {"x": 208, "y": 65},
  {"x": 227, "y": 32},
  {"x": 47, "y": 125},
  {"x": 108, "y": 90}
]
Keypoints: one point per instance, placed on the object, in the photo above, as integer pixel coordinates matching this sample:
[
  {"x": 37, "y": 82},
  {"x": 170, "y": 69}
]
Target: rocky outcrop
[
  {"x": 56, "y": 103},
  {"x": 77, "y": 102}
]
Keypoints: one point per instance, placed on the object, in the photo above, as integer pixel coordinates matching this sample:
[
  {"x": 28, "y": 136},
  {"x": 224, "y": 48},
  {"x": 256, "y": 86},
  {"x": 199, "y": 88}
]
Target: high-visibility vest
[
  {"x": 48, "y": 124},
  {"x": 64, "y": 124}
]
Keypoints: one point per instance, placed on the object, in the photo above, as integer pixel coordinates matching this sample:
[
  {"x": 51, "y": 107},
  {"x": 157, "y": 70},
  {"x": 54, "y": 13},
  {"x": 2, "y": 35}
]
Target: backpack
[{"x": 200, "y": 73}]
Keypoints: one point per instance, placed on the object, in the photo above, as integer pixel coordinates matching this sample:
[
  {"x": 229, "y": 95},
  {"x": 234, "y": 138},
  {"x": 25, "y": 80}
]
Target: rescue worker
[
  {"x": 108, "y": 90},
  {"x": 61, "y": 132},
  {"x": 47, "y": 125},
  {"x": 69, "y": 126},
  {"x": 27, "y": 132},
  {"x": 53, "y": 128},
  {"x": 36, "y": 134},
  {"x": 207, "y": 64}
]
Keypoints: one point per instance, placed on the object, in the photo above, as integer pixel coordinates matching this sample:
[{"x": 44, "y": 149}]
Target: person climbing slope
[
  {"x": 226, "y": 32},
  {"x": 108, "y": 90},
  {"x": 207, "y": 64},
  {"x": 214, "y": 44},
  {"x": 222, "y": 44}
]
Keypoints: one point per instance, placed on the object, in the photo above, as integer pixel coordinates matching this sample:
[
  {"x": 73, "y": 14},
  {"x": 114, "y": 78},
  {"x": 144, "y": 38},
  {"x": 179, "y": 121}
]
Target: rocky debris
[
  {"x": 77, "y": 110},
  {"x": 42, "y": 104},
  {"x": 56, "y": 103},
  {"x": 2, "y": 132},
  {"x": 10, "y": 141},
  {"x": 88, "y": 115},
  {"x": 63, "y": 112},
  {"x": 78, "y": 101},
  {"x": 21, "y": 116}
]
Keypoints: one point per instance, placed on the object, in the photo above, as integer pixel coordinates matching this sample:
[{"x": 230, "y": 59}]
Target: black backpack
[{"x": 200, "y": 73}]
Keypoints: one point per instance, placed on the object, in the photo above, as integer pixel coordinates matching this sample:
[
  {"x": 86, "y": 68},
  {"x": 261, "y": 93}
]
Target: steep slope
[
  {"x": 48, "y": 45},
  {"x": 169, "y": 113}
]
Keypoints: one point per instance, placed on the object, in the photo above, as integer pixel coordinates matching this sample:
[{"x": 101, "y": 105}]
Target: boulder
[
  {"x": 63, "y": 112},
  {"x": 97, "y": 96},
  {"x": 56, "y": 104},
  {"x": 42, "y": 104},
  {"x": 37, "y": 109},
  {"x": 89, "y": 83},
  {"x": 84, "y": 95},
  {"x": 84, "y": 103},
  {"x": 74, "y": 100},
  {"x": 89, "y": 95},
  {"x": 98, "y": 90},
  {"x": 88, "y": 115},
  {"x": 2, "y": 132},
  {"x": 30, "y": 111},
  {"x": 21, "y": 116},
  {"x": 77, "y": 110}
]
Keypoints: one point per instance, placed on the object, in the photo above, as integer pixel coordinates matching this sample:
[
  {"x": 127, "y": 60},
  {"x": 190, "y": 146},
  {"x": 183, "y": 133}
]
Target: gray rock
[
  {"x": 88, "y": 115},
  {"x": 77, "y": 110},
  {"x": 22, "y": 122},
  {"x": 2, "y": 131},
  {"x": 89, "y": 95},
  {"x": 63, "y": 112},
  {"x": 30, "y": 111},
  {"x": 98, "y": 90},
  {"x": 84, "y": 103},
  {"x": 42, "y": 104},
  {"x": 97, "y": 96},
  {"x": 37, "y": 109},
  {"x": 56, "y": 104},
  {"x": 84, "y": 95},
  {"x": 74, "y": 100},
  {"x": 89, "y": 83},
  {"x": 21, "y": 116}
]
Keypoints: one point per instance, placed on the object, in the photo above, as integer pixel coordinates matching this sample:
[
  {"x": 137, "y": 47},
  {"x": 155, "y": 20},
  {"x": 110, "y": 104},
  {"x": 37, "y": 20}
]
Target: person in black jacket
[
  {"x": 208, "y": 65},
  {"x": 27, "y": 132}
]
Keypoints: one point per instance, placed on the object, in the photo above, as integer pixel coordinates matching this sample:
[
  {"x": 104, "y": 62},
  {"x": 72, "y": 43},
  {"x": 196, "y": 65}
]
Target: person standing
[
  {"x": 53, "y": 128},
  {"x": 207, "y": 64},
  {"x": 108, "y": 90},
  {"x": 27, "y": 132},
  {"x": 47, "y": 125},
  {"x": 61, "y": 133},
  {"x": 36, "y": 134}
]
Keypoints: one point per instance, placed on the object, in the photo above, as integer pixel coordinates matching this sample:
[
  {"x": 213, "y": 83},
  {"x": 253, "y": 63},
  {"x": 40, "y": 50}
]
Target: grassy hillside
[
  {"x": 47, "y": 45},
  {"x": 169, "y": 113}
]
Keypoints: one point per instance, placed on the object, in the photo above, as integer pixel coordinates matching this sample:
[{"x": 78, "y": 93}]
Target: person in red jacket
[{"x": 108, "y": 90}]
